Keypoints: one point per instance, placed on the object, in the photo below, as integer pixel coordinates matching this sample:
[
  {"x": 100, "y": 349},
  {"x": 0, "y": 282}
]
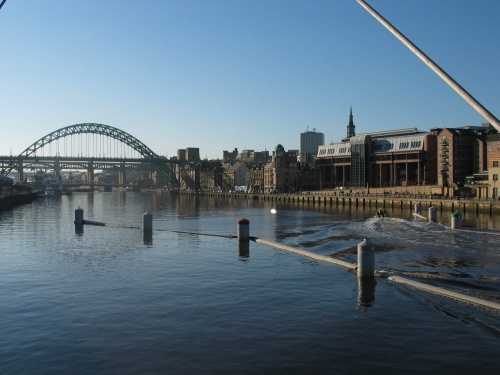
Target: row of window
[
  {"x": 414, "y": 144},
  {"x": 331, "y": 151},
  {"x": 386, "y": 147},
  {"x": 402, "y": 146}
]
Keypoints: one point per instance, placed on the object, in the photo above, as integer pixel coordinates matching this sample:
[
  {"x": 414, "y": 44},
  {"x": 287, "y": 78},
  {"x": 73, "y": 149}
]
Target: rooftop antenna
[{"x": 431, "y": 64}]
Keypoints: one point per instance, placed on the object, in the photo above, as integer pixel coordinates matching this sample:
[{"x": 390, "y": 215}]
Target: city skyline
[{"x": 246, "y": 75}]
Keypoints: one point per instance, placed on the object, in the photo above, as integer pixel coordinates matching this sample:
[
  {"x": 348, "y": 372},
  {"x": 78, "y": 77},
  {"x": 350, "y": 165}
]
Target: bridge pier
[
  {"x": 122, "y": 175},
  {"x": 57, "y": 169},
  {"x": 90, "y": 174},
  {"x": 20, "y": 172}
]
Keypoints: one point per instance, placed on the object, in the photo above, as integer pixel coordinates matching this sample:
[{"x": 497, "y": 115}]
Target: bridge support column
[
  {"x": 122, "y": 175},
  {"x": 57, "y": 169},
  {"x": 90, "y": 174},
  {"x": 20, "y": 172},
  {"x": 148, "y": 175}
]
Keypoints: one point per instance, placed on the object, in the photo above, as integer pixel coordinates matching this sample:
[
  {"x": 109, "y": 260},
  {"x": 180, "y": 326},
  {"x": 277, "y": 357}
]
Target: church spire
[{"x": 351, "y": 132}]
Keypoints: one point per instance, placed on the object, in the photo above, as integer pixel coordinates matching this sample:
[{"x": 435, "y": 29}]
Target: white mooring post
[
  {"x": 366, "y": 259},
  {"x": 243, "y": 229},
  {"x": 79, "y": 216},
  {"x": 147, "y": 221}
]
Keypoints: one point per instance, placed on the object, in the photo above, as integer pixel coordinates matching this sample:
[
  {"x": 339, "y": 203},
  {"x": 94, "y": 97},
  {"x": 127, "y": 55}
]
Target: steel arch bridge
[{"x": 32, "y": 152}]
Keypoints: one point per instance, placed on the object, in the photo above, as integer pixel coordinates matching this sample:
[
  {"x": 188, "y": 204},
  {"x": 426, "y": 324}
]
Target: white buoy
[
  {"x": 147, "y": 221},
  {"x": 79, "y": 216},
  {"x": 366, "y": 259},
  {"x": 456, "y": 220},
  {"x": 273, "y": 210},
  {"x": 432, "y": 214},
  {"x": 243, "y": 229}
]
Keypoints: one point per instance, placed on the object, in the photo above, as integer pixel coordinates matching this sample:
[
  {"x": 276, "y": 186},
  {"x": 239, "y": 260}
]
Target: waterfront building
[
  {"x": 234, "y": 176},
  {"x": 260, "y": 157},
  {"x": 189, "y": 171},
  {"x": 255, "y": 178},
  {"x": 211, "y": 172},
  {"x": 190, "y": 176},
  {"x": 309, "y": 141},
  {"x": 493, "y": 152},
  {"x": 281, "y": 173},
  {"x": 461, "y": 153},
  {"x": 246, "y": 156},
  {"x": 192, "y": 154},
  {"x": 229, "y": 157},
  {"x": 402, "y": 157}
]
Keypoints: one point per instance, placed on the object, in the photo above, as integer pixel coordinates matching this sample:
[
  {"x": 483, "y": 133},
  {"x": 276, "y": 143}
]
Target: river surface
[{"x": 188, "y": 299}]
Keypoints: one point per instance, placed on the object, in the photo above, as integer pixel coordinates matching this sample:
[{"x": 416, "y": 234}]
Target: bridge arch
[
  {"x": 101, "y": 130},
  {"x": 91, "y": 128}
]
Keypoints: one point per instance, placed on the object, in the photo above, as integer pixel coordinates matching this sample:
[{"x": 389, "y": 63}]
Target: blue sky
[{"x": 246, "y": 74}]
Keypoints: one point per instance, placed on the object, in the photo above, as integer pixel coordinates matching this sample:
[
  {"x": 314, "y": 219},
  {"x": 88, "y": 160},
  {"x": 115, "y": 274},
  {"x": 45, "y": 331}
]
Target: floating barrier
[
  {"x": 418, "y": 216},
  {"x": 206, "y": 234},
  {"x": 95, "y": 223},
  {"x": 445, "y": 292},
  {"x": 305, "y": 253},
  {"x": 477, "y": 231},
  {"x": 365, "y": 267},
  {"x": 80, "y": 221}
]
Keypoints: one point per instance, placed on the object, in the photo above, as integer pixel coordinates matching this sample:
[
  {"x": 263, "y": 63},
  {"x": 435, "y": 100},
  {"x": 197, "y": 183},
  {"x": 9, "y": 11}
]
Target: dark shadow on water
[
  {"x": 366, "y": 292},
  {"x": 147, "y": 237},
  {"x": 244, "y": 250},
  {"x": 79, "y": 230}
]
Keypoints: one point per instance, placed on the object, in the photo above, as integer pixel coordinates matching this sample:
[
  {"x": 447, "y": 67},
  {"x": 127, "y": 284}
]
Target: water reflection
[
  {"x": 366, "y": 292},
  {"x": 188, "y": 206},
  {"x": 434, "y": 262},
  {"x": 244, "y": 249},
  {"x": 147, "y": 237},
  {"x": 78, "y": 230},
  {"x": 473, "y": 218}
]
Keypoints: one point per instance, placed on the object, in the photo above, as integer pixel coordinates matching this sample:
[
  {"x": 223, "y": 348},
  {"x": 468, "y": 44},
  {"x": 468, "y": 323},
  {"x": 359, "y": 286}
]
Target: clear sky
[{"x": 246, "y": 74}]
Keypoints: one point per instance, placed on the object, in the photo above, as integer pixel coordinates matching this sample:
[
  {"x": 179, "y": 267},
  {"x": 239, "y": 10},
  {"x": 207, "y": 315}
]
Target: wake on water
[{"x": 467, "y": 262}]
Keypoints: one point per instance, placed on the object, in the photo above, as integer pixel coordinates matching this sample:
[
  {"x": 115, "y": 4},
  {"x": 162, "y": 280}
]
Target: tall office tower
[{"x": 309, "y": 143}]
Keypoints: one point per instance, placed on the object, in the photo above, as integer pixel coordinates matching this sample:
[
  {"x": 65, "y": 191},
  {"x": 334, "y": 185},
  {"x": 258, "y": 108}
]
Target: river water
[{"x": 190, "y": 300}]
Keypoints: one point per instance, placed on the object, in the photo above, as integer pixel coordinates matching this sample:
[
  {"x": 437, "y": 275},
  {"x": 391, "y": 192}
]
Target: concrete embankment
[{"x": 375, "y": 201}]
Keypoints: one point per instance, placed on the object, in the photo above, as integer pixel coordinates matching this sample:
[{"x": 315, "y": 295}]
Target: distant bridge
[{"x": 89, "y": 147}]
